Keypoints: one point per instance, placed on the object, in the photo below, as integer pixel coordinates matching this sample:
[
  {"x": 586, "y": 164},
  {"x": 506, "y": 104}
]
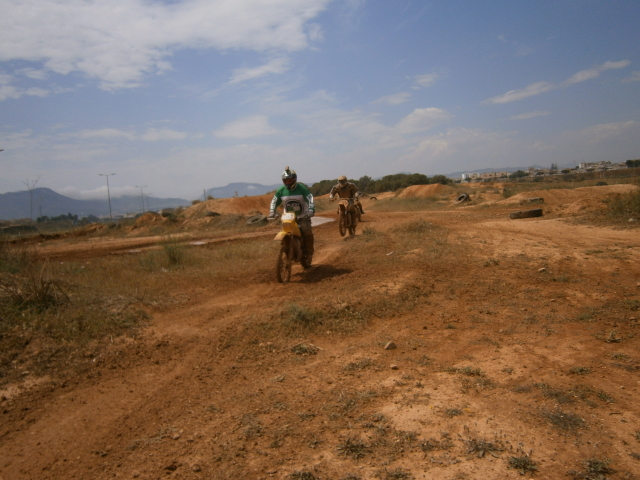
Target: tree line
[{"x": 388, "y": 183}]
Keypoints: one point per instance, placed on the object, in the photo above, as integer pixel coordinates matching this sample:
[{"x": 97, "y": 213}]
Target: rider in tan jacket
[{"x": 345, "y": 189}]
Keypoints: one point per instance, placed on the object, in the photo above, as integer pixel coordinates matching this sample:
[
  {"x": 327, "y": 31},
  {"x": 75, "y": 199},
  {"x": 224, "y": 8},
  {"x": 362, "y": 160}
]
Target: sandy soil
[{"x": 515, "y": 339}]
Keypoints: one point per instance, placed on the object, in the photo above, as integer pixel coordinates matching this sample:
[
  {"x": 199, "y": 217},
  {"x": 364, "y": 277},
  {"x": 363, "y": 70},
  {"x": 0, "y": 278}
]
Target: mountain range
[{"x": 45, "y": 202}]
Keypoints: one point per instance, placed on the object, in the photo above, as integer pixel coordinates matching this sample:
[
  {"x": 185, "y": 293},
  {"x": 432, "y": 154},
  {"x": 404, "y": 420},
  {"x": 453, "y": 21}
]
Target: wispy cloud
[
  {"x": 425, "y": 80},
  {"x": 514, "y": 95},
  {"x": 422, "y": 119},
  {"x": 541, "y": 87},
  {"x": 635, "y": 77},
  {"x": 595, "y": 72},
  {"x": 528, "y": 115},
  {"x": 250, "y": 127},
  {"x": 395, "y": 99},
  {"x": 275, "y": 66},
  {"x": 119, "y": 42}
]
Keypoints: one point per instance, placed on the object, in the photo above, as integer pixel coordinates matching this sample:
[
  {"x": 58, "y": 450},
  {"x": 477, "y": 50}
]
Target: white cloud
[
  {"x": 278, "y": 65},
  {"x": 118, "y": 42},
  {"x": 8, "y": 91},
  {"x": 250, "y": 127},
  {"x": 605, "y": 132},
  {"x": 155, "y": 134},
  {"x": 106, "y": 133},
  {"x": 595, "y": 72},
  {"x": 635, "y": 77},
  {"x": 426, "y": 80},
  {"x": 528, "y": 115},
  {"x": 99, "y": 193},
  {"x": 541, "y": 87},
  {"x": 422, "y": 119},
  {"x": 513, "y": 95},
  {"x": 395, "y": 99}
]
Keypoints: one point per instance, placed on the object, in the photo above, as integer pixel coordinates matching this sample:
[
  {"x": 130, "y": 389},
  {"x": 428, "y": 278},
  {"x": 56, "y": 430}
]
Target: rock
[
  {"x": 543, "y": 269},
  {"x": 393, "y": 367},
  {"x": 196, "y": 468},
  {"x": 390, "y": 346}
]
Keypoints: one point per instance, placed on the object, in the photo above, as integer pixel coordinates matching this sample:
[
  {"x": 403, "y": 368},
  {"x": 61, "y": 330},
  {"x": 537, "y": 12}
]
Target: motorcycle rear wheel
[
  {"x": 354, "y": 223},
  {"x": 283, "y": 264}
]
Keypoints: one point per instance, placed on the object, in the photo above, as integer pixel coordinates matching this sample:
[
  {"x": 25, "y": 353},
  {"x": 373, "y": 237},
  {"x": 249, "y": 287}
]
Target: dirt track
[{"x": 513, "y": 338}]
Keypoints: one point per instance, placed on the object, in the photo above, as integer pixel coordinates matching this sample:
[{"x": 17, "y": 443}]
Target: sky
[{"x": 177, "y": 96}]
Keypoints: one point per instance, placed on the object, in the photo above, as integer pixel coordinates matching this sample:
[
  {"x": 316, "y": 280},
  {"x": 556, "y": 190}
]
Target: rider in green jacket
[{"x": 296, "y": 197}]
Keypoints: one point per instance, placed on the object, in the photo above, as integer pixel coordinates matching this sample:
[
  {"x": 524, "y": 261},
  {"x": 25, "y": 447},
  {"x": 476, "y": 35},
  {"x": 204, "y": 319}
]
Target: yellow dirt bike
[
  {"x": 348, "y": 216},
  {"x": 291, "y": 247}
]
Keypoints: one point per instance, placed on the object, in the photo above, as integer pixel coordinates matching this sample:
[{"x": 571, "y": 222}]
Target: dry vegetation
[{"x": 517, "y": 347}]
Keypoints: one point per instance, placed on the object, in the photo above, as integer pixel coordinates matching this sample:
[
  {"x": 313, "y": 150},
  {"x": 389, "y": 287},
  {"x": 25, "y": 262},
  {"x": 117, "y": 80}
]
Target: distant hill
[
  {"x": 14, "y": 205},
  {"x": 241, "y": 190}
]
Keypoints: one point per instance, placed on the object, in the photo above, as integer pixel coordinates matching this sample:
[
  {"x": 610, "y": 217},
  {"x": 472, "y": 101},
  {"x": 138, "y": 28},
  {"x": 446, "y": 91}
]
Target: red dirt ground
[{"x": 515, "y": 339}]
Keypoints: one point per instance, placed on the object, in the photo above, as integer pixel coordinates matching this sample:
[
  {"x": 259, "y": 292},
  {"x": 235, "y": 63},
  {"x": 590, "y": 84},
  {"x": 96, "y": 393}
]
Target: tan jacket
[{"x": 348, "y": 191}]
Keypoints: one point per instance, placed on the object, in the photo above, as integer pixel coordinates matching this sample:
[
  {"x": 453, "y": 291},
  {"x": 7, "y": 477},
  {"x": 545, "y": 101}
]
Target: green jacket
[{"x": 298, "y": 200}]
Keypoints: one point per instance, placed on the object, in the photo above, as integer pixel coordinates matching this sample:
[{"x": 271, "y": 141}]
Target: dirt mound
[
  {"x": 149, "y": 218},
  {"x": 421, "y": 191},
  {"x": 561, "y": 196},
  {"x": 237, "y": 205}
]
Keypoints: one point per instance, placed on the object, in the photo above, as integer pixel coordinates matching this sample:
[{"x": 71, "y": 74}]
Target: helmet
[
  {"x": 289, "y": 178},
  {"x": 342, "y": 180}
]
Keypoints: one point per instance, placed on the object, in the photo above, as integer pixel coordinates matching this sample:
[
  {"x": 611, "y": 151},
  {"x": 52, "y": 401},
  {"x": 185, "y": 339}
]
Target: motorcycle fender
[{"x": 281, "y": 235}]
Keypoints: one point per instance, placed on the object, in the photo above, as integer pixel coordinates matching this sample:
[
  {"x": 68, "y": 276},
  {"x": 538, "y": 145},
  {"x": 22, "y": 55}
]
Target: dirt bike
[
  {"x": 291, "y": 247},
  {"x": 348, "y": 216}
]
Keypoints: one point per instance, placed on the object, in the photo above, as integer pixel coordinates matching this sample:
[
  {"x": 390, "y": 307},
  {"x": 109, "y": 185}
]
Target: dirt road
[{"x": 516, "y": 350}]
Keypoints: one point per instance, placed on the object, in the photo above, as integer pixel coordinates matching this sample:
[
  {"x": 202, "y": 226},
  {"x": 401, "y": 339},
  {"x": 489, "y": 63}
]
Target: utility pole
[
  {"x": 142, "y": 195},
  {"x": 108, "y": 193}
]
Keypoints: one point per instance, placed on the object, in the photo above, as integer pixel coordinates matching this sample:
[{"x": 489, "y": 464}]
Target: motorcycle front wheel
[
  {"x": 283, "y": 264},
  {"x": 341, "y": 223}
]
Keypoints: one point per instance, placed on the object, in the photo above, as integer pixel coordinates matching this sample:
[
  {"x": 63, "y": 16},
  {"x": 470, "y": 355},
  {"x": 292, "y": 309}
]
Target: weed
[
  {"x": 304, "y": 475},
  {"x": 636, "y": 434},
  {"x": 620, "y": 356},
  {"x": 508, "y": 370},
  {"x": 453, "y": 412},
  {"x": 492, "y": 262},
  {"x": 450, "y": 326},
  {"x": 359, "y": 365},
  {"x": 523, "y": 464},
  {"x": 469, "y": 371},
  {"x": 481, "y": 447},
  {"x": 579, "y": 370},
  {"x": 605, "y": 397},
  {"x": 354, "y": 448},
  {"x": 302, "y": 316},
  {"x": 369, "y": 234},
  {"x": 350, "y": 476},
  {"x": 613, "y": 337},
  {"x": 175, "y": 252},
  {"x": 419, "y": 227},
  {"x": 304, "y": 349},
  {"x": 594, "y": 469},
  {"x": 397, "y": 474},
  {"x": 424, "y": 361},
  {"x": 624, "y": 206},
  {"x": 563, "y": 420}
]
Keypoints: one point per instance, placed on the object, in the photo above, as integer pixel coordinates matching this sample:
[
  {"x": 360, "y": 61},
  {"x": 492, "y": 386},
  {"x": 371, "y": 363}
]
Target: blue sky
[{"x": 183, "y": 95}]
